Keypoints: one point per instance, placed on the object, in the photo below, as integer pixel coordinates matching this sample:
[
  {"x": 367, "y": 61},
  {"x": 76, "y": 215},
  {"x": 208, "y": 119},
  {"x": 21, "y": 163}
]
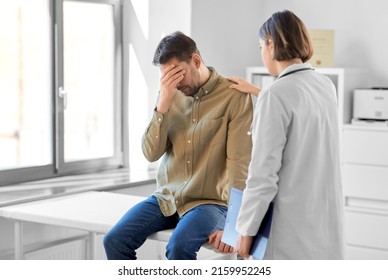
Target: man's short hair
[{"x": 176, "y": 45}]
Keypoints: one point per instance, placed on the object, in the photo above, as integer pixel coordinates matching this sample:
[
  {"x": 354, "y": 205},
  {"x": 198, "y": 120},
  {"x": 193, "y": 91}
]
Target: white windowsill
[{"x": 99, "y": 181}]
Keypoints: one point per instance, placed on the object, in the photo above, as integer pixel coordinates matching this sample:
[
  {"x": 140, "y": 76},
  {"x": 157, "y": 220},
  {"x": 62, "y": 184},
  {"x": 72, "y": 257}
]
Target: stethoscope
[{"x": 294, "y": 71}]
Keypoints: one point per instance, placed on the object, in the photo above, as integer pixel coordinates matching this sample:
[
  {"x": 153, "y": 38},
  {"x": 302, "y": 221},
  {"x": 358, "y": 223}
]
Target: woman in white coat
[{"x": 295, "y": 157}]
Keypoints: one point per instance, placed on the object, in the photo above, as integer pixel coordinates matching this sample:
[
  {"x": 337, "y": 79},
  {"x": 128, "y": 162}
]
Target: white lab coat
[{"x": 296, "y": 163}]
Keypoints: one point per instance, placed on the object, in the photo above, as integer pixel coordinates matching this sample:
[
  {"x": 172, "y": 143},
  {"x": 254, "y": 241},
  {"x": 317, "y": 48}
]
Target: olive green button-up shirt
[{"x": 205, "y": 143}]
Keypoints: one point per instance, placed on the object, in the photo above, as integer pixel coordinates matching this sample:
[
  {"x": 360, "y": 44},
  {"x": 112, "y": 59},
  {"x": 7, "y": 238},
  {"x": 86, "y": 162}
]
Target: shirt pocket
[{"x": 213, "y": 131}]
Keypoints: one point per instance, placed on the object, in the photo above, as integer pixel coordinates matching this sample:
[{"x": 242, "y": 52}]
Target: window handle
[{"x": 63, "y": 94}]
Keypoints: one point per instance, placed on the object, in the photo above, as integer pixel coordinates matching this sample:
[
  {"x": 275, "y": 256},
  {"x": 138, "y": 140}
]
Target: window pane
[
  {"x": 25, "y": 84},
  {"x": 88, "y": 80}
]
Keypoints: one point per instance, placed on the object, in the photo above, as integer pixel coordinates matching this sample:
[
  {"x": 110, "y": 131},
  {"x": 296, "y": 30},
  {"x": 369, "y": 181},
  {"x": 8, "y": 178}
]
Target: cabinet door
[
  {"x": 360, "y": 253},
  {"x": 365, "y": 181},
  {"x": 365, "y": 146},
  {"x": 366, "y": 229}
]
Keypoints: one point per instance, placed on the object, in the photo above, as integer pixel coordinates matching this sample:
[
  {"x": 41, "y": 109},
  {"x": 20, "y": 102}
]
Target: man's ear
[{"x": 197, "y": 60}]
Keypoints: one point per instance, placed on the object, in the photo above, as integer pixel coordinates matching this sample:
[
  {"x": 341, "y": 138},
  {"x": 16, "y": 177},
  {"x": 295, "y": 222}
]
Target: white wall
[
  {"x": 360, "y": 36},
  {"x": 227, "y": 31}
]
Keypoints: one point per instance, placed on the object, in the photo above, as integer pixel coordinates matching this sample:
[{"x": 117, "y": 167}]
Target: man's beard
[{"x": 188, "y": 91}]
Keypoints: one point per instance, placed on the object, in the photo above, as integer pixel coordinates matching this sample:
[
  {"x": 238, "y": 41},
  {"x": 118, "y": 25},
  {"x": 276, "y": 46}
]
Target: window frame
[{"x": 59, "y": 167}]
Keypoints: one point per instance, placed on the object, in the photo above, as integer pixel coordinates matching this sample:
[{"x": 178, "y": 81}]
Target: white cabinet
[
  {"x": 365, "y": 181},
  {"x": 364, "y": 159}
]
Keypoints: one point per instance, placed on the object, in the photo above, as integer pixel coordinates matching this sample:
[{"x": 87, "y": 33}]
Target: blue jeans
[{"x": 142, "y": 220}]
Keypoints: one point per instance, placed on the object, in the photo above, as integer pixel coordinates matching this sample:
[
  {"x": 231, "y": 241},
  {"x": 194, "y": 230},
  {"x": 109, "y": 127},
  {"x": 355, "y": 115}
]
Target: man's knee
[
  {"x": 111, "y": 244},
  {"x": 180, "y": 248}
]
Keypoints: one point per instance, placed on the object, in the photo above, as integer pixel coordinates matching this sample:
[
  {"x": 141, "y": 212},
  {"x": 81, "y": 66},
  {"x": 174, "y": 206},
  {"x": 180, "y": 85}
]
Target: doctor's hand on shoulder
[{"x": 242, "y": 85}]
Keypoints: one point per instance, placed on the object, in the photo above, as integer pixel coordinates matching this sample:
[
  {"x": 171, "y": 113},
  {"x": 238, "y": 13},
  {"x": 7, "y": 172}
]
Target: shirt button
[
  {"x": 207, "y": 92},
  {"x": 188, "y": 141},
  {"x": 159, "y": 119},
  {"x": 188, "y": 162},
  {"x": 249, "y": 132},
  {"x": 197, "y": 97},
  {"x": 157, "y": 136},
  {"x": 193, "y": 120}
]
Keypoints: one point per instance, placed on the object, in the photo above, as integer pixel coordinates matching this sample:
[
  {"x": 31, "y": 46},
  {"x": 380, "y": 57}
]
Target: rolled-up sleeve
[{"x": 155, "y": 140}]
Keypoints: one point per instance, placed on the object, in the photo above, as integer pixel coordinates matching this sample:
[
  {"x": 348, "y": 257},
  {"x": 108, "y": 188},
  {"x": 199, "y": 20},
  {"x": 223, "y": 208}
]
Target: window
[
  {"x": 89, "y": 114},
  {"x": 25, "y": 84},
  {"x": 60, "y": 88}
]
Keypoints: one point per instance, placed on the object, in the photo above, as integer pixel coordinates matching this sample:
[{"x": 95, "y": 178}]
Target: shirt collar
[{"x": 208, "y": 87}]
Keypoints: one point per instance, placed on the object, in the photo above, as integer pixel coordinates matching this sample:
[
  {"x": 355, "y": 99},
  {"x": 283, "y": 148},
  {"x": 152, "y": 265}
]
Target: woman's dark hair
[
  {"x": 289, "y": 36},
  {"x": 176, "y": 45}
]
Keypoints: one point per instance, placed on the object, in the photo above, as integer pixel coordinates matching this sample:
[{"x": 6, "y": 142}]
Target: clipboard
[{"x": 230, "y": 235}]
